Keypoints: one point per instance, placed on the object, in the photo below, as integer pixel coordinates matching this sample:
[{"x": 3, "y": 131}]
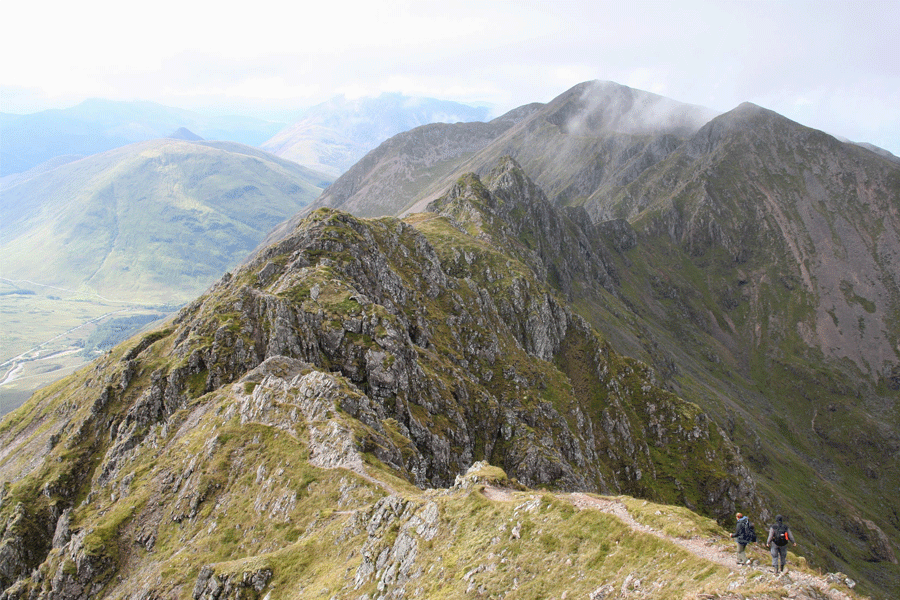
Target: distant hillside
[
  {"x": 155, "y": 221},
  {"x": 332, "y": 136},
  {"x": 99, "y": 125}
]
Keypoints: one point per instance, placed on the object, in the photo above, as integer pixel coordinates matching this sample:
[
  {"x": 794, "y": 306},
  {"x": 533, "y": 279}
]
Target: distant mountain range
[
  {"x": 334, "y": 135},
  {"x": 329, "y": 137},
  {"x": 99, "y": 125}
]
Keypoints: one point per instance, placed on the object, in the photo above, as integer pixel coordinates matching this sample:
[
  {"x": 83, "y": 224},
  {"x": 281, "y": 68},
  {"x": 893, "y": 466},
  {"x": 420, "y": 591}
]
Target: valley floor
[{"x": 48, "y": 332}]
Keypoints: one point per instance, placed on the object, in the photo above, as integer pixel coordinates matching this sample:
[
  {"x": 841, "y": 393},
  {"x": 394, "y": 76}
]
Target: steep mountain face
[
  {"x": 332, "y": 136},
  {"x": 766, "y": 268},
  {"x": 153, "y": 222},
  {"x": 96, "y": 126},
  {"x": 789, "y": 207},
  {"x": 397, "y": 351},
  {"x": 514, "y": 214},
  {"x": 750, "y": 260}
]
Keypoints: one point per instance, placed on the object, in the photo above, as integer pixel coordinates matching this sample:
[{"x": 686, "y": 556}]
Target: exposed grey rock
[
  {"x": 20, "y": 547},
  {"x": 246, "y": 585},
  {"x": 393, "y": 565},
  {"x": 62, "y": 534}
]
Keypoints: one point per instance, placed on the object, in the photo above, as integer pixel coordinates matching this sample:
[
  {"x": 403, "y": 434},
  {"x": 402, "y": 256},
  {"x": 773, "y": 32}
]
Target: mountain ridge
[
  {"x": 426, "y": 349},
  {"x": 754, "y": 261},
  {"x": 540, "y": 130},
  {"x": 501, "y": 326}
]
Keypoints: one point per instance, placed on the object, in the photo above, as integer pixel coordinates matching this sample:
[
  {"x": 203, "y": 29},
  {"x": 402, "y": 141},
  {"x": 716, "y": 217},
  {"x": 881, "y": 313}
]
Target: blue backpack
[{"x": 750, "y": 532}]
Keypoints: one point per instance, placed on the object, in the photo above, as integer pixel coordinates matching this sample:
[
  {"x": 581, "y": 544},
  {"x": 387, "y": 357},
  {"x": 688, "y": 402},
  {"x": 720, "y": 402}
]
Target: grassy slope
[{"x": 156, "y": 221}]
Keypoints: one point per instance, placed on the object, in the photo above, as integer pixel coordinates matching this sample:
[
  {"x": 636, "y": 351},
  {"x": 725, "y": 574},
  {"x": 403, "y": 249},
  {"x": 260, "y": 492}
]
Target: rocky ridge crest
[{"x": 420, "y": 349}]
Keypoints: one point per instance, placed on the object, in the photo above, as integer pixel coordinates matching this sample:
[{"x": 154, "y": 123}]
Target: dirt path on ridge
[{"x": 706, "y": 549}]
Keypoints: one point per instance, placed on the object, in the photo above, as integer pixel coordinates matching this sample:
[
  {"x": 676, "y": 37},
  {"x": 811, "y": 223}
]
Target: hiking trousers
[
  {"x": 779, "y": 553},
  {"x": 741, "y": 554}
]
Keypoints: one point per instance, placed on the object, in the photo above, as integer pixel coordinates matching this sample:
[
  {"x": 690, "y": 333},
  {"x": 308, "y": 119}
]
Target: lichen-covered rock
[
  {"x": 22, "y": 545},
  {"x": 247, "y": 585},
  {"x": 392, "y": 564}
]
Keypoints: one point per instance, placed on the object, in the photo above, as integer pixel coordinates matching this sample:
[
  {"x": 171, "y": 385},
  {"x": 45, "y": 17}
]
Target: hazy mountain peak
[
  {"x": 600, "y": 107},
  {"x": 97, "y": 125},
  {"x": 332, "y": 136},
  {"x": 183, "y": 133},
  {"x": 747, "y": 120}
]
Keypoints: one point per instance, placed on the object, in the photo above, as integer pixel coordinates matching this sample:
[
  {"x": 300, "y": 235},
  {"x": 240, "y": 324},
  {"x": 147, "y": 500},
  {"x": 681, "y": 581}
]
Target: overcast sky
[{"x": 827, "y": 64}]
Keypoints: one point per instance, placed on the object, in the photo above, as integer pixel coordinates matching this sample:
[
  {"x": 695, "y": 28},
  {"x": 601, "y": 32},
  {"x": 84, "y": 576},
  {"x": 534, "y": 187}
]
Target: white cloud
[{"x": 833, "y": 63}]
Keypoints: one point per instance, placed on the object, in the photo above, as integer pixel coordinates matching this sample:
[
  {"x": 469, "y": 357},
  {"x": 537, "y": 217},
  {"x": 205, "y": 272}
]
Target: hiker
[
  {"x": 743, "y": 534},
  {"x": 779, "y": 536}
]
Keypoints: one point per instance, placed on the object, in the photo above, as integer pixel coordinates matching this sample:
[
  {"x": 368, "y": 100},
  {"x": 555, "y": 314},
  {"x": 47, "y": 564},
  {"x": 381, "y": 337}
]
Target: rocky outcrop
[
  {"x": 512, "y": 212},
  {"x": 394, "y": 529},
  {"x": 20, "y": 547},
  {"x": 247, "y": 585}
]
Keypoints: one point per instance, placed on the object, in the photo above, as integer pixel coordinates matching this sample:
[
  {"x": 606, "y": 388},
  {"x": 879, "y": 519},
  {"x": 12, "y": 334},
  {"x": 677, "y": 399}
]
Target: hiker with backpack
[
  {"x": 744, "y": 534},
  {"x": 779, "y": 536}
]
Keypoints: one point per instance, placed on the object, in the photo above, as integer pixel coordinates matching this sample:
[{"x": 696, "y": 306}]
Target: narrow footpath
[{"x": 797, "y": 584}]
